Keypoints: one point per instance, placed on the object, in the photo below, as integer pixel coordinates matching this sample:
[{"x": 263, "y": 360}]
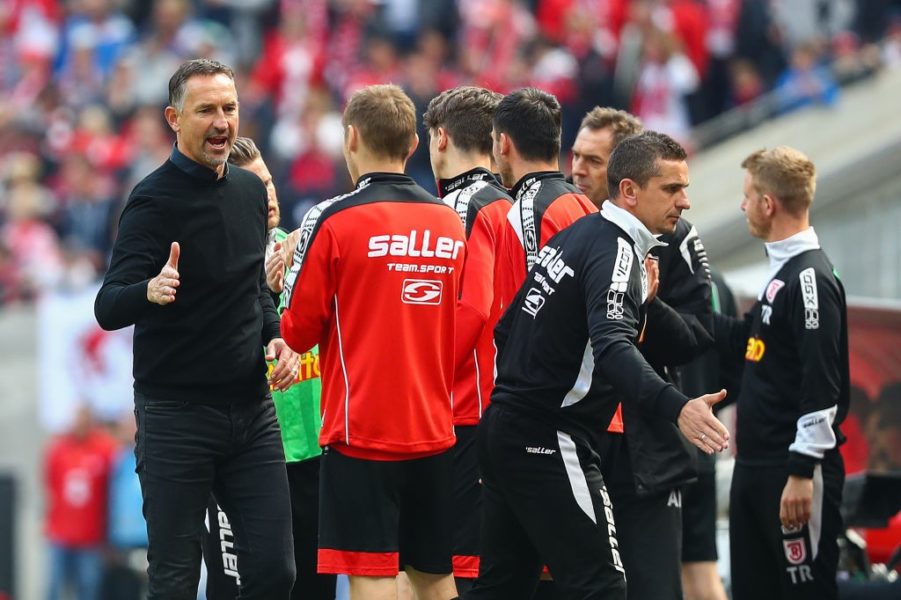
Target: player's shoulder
[
  {"x": 324, "y": 209},
  {"x": 484, "y": 194},
  {"x": 812, "y": 264},
  {"x": 593, "y": 234},
  {"x": 813, "y": 279}
]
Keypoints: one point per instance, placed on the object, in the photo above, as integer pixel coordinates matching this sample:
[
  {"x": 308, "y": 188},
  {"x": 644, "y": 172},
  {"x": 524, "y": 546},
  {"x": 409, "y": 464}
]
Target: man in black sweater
[
  {"x": 786, "y": 491},
  {"x": 205, "y": 418}
]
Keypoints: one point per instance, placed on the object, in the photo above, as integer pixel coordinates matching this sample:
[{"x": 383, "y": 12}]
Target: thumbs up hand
[{"x": 161, "y": 289}]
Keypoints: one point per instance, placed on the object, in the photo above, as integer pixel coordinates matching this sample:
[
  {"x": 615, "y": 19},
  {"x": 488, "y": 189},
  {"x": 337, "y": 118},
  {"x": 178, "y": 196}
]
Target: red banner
[{"x": 873, "y": 426}]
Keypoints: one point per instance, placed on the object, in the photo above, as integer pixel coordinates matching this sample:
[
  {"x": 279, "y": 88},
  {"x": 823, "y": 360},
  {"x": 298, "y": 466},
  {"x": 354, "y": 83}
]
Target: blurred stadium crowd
[{"x": 83, "y": 84}]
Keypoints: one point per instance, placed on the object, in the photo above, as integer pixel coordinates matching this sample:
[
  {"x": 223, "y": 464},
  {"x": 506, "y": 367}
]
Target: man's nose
[{"x": 220, "y": 122}]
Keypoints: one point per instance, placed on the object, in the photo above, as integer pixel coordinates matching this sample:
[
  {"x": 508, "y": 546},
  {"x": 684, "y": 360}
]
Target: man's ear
[
  {"x": 413, "y": 147},
  {"x": 351, "y": 138},
  {"x": 505, "y": 143},
  {"x": 769, "y": 204},
  {"x": 628, "y": 192},
  {"x": 442, "y": 139},
  {"x": 171, "y": 114}
]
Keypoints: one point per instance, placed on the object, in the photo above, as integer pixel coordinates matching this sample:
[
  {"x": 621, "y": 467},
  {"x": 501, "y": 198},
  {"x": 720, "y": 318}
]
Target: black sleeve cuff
[
  {"x": 136, "y": 295},
  {"x": 670, "y": 403},
  {"x": 801, "y": 465},
  {"x": 271, "y": 331},
  {"x": 120, "y": 306}
]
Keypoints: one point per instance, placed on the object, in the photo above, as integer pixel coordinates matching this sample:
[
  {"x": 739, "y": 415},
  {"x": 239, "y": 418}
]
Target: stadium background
[{"x": 83, "y": 83}]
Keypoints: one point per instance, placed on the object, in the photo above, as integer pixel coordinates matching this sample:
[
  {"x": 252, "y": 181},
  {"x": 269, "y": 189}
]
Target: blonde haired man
[{"x": 786, "y": 490}]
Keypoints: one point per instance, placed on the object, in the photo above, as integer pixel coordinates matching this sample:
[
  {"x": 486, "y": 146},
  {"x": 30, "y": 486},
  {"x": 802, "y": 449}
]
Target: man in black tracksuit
[
  {"x": 645, "y": 484},
  {"x": 786, "y": 489},
  {"x": 567, "y": 356}
]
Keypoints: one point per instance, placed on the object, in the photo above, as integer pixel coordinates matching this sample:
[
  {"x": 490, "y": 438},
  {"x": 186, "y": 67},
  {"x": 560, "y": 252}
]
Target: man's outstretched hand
[{"x": 700, "y": 427}]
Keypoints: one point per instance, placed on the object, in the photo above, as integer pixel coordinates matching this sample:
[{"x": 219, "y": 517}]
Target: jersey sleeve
[
  {"x": 138, "y": 255},
  {"x": 613, "y": 310},
  {"x": 477, "y": 296},
  {"x": 673, "y": 338},
  {"x": 680, "y": 319},
  {"x": 730, "y": 336},
  {"x": 685, "y": 284},
  {"x": 310, "y": 287},
  {"x": 502, "y": 333},
  {"x": 267, "y": 305},
  {"x": 816, "y": 313},
  {"x": 513, "y": 261},
  {"x": 563, "y": 212}
]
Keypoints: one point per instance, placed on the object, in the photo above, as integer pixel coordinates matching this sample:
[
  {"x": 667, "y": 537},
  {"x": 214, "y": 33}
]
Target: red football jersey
[
  {"x": 375, "y": 281},
  {"x": 482, "y": 204},
  {"x": 544, "y": 204}
]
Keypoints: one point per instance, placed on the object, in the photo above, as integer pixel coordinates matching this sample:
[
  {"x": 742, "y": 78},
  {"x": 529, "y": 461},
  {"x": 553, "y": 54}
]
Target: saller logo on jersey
[
  {"x": 422, "y": 291},
  {"x": 413, "y": 245}
]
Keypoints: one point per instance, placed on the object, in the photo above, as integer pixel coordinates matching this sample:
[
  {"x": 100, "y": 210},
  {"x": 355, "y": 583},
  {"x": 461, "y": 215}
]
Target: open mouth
[{"x": 218, "y": 143}]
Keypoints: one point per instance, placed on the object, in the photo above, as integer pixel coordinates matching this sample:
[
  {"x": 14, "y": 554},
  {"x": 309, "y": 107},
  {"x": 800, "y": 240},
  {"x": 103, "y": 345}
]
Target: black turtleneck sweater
[{"x": 207, "y": 345}]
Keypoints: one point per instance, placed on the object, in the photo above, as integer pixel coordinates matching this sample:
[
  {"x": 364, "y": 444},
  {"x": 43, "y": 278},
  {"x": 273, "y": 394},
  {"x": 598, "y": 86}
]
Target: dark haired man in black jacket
[{"x": 647, "y": 461}]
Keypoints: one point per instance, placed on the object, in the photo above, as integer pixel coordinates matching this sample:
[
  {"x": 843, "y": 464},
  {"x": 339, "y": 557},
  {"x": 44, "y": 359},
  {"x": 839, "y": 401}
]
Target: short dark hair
[
  {"x": 385, "y": 118},
  {"x": 466, "y": 113},
  {"x": 532, "y": 119},
  {"x": 193, "y": 68},
  {"x": 244, "y": 151},
  {"x": 636, "y": 158},
  {"x": 620, "y": 123}
]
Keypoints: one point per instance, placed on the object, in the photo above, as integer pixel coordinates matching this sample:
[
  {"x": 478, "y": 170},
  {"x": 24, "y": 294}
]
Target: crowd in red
[{"x": 83, "y": 83}]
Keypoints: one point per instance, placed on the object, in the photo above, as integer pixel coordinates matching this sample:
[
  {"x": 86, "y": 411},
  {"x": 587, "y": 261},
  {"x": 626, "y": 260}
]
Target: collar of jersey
[
  {"x": 446, "y": 186},
  {"x": 531, "y": 178},
  {"x": 194, "y": 169},
  {"x": 635, "y": 229},
  {"x": 381, "y": 177},
  {"x": 782, "y": 251}
]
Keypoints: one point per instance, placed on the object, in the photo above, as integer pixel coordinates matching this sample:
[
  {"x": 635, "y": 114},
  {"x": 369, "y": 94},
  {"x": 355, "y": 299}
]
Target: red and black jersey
[
  {"x": 544, "y": 204},
  {"x": 482, "y": 204},
  {"x": 375, "y": 281}
]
